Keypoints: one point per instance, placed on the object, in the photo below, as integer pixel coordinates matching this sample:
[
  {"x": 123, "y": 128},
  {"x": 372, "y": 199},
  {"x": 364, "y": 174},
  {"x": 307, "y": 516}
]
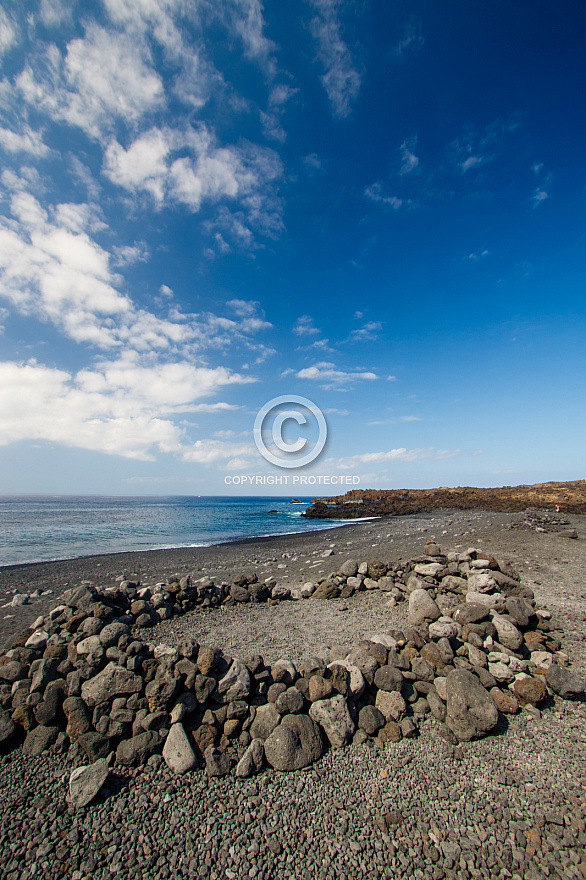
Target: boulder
[
  {"x": 235, "y": 685},
  {"x": 391, "y": 705},
  {"x": 110, "y": 682},
  {"x": 86, "y": 782},
  {"x": 137, "y": 749},
  {"x": 470, "y": 710},
  {"x": 508, "y": 634},
  {"x": 217, "y": 763},
  {"x": 564, "y": 683},
  {"x": 266, "y": 719},
  {"x": 39, "y": 740},
  {"x": 294, "y": 744},
  {"x": 530, "y": 690},
  {"x": 112, "y": 632},
  {"x": 177, "y": 751},
  {"x": 388, "y": 678},
  {"x": 252, "y": 760},
  {"x": 422, "y": 608},
  {"x": 370, "y": 719},
  {"x": 355, "y": 680},
  {"x": 7, "y": 726},
  {"x": 444, "y": 628},
  {"x": 333, "y": 716},
  {"x": 471, "y": 612},
  {"x": 349, "y": 568}
]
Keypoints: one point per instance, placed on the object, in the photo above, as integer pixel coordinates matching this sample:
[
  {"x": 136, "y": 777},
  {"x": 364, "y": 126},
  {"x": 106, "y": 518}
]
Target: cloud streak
[{"x": 341, "y": 78}]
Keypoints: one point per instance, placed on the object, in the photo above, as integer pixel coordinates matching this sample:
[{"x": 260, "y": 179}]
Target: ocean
[{"x": 39, "y": 528}]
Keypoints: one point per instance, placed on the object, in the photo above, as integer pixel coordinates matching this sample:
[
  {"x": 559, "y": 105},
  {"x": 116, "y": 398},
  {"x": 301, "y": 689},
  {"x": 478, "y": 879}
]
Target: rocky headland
[{"x": 569, "y": 497}]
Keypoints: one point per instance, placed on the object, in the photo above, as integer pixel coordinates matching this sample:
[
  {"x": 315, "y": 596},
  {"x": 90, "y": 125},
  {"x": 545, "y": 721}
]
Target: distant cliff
[{"x": 571, "y": 498}]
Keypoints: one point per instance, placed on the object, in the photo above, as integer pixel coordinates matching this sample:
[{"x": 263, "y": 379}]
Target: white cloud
[
  {"x": 209, "y": 173},
  {"x": 304, "y": 326},
  {"x": 105, "y": 77},
  {"x": 366, "y": 333},
  {"x": 341, "y": 79},
  {"x": 215, "y": 451},
  {"x": 539, "y": 196},
  {"x": 142, "y": 166},
  {"x": 8, "y": 32},
  {"x": 54, "y": 270},
  {"x": 25, "y": 141},
  {"x": 55, "y": 12},
  {"x": 400, "y": 454},
  {"x": 279, "y": 95},
  {"x": 374, "y": 193},
  {"x": 397, "y": 420},
  {"x": 410, "y": 162},
  {"x": 119, "y": 407},
  {"x": 127, "y": 255},
  {"x": 475, "y": 148},
  {"x": 412, "y": 39},
  {"x": 334, "y": 379}
]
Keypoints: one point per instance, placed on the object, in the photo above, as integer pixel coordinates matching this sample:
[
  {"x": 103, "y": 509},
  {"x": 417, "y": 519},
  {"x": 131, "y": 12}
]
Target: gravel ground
[{"x": 510, "y": 805}]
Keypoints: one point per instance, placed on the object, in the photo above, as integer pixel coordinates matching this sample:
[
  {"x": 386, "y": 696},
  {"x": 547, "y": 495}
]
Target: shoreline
[
  {"x": 292, "y": 559},
  {"x": 172, "y": 548}
]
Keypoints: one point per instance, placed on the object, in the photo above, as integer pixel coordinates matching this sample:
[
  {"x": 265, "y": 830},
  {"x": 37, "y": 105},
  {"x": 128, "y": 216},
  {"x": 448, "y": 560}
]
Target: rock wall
[{"x": 475, "y": 648}]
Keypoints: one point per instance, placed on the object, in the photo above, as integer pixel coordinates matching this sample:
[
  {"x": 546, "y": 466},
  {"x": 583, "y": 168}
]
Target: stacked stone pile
[{"x": 475, "y": 648}]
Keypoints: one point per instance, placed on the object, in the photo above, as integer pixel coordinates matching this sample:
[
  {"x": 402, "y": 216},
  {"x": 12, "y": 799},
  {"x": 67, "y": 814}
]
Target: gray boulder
[
  {"x": 388, "y": 678},
  {"x": 470, "y": 710},
  {"x": 112, "y": 632},
  {"x": 252, "y": 760},
  {"x": 266, "y": 719},
  {"x": 137, "y": 749},
  {"x": 110, "y": 682},
  {"x": 7, "y": 726},
  {"x": 333, "y": 716},
  {"x": 235, "y": 685},
  {"x": 177, "y": 751},
  {"x": 564, "y": 683},
  {"x": 86, "y": 782},
  {"x": 422, "y": 608},
  {"x": 370, "y": 719},
  {"x": 217, "y": 763},
  {"x": 294, "y": 744},
  {"x": 39, "y": 740},
  {"x": 508, "y": 634}
]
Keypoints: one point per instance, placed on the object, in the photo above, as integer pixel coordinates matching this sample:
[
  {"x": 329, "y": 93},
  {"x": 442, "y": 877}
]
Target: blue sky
[{"x": 206, "y": 204}]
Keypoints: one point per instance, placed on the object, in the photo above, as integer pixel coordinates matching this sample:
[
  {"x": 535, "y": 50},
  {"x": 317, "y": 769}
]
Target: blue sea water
[{"x": 46, "y": 527}]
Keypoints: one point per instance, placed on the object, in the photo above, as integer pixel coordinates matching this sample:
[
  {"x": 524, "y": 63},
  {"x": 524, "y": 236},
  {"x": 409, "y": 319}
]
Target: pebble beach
[{"x": 509, "y": 805}]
